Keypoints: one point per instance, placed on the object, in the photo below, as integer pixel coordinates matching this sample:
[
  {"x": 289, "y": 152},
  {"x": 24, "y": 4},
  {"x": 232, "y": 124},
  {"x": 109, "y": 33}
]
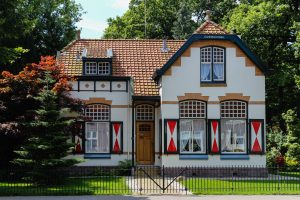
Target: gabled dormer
[{"x": 97, "y": 62}]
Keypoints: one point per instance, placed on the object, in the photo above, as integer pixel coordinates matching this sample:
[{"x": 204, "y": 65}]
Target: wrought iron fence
[{"x": 150, "y": 180}]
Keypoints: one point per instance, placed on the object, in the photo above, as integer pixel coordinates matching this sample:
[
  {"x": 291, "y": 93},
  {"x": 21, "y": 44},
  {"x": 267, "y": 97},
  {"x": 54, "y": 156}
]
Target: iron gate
[{"x": 152, "y": 179}]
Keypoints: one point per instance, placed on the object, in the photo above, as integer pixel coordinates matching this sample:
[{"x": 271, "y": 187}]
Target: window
[
  {"x": 233, "y": 127},
  {"x": 192, "y": 126},
  {"x": 103, "y": 68},
  {"x": 100, "y": 68},
  {"x": 90, "y": 68},
  {"x": 145, "y": 112},
  {"x": 212, "y": 64},
  {"x": 97, "y": 131}
]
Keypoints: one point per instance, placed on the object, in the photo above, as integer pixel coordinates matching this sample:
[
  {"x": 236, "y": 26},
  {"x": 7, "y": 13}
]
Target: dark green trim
[
  {"x": 97, "y": 60},
  {"x": 102, "y": 78},
  {"x": 146, "y": 98},
  {"x": 193, "y": 157},
  {"x": 197, "y": 37},
  {"x": 234, "y": 157},
  {"x": 97, "y": 156}
]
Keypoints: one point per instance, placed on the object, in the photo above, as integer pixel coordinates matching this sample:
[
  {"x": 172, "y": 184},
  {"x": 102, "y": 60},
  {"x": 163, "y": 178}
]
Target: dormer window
[
  {"x": 212, "y": 64},
  {"x": 97, "y": 68}
]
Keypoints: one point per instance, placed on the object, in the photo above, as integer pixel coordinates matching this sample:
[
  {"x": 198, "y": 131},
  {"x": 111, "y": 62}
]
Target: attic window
[
  {"x": 212, "y": 64},
  {"x": 97, "y": 68}
]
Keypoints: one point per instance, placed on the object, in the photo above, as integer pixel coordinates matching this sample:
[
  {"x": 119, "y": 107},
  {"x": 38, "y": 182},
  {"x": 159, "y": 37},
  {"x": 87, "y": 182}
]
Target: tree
[
  {"x": 268, "y": 27},
  {"x": 184, "y": 25},
  {"x": 47, "y": 143},
  {"x": 32, "y": 28},
  {"x": 18, "y": 100},
  {"x": 163, "y": 17}
]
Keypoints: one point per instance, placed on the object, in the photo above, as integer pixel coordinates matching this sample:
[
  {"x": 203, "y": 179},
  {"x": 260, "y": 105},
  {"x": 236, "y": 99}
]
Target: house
[{"x": 194, "y": 102}]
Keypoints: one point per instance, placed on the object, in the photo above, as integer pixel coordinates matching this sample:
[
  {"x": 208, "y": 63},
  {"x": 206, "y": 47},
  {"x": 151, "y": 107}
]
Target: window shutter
[
  {"x": 116, "y": 137},
  {"x": 78, "y": 135},
  {"x": 171, "y": 129},
  {"x": 214, "y": 130},
  {"x": 256, "y": 129}
]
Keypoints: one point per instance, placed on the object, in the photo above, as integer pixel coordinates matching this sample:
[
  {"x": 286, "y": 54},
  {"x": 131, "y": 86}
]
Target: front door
[{"x": 145, "y": 143}]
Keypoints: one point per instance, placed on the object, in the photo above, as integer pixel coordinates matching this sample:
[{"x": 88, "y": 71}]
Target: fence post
[{"x": 163, "y": 171}]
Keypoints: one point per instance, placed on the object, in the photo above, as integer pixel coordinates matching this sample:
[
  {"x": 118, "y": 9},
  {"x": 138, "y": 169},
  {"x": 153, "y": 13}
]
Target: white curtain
[
  {"x": 103, "y": 137},
  {"x": 185, "y": 134},
  {"x": 233, "y": 135},
  {"x": 218, "y": 71},
  {"x": 91, "y": 137},
  {"x": 205, "y": 72},
  {"x": 199, "y": 136}
]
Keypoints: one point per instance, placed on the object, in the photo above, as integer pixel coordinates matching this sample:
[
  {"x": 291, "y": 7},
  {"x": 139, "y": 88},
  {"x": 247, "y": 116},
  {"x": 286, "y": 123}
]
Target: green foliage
[
  {"x": 47, "y": 145},
  {"x": 164, "y": 18},
  {"x": 293, "y": 135},
  {"x": 40, "y": 26},
  {"x": 275, "y": 146}
]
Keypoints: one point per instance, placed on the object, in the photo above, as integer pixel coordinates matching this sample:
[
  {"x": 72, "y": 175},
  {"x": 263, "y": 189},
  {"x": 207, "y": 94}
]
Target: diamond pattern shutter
[
  {"x": 214, "y": 135},
  {"x": 171, "y": 136},
  {"x": 117, "y": 137},
  {"x": 256, "y": 136}
]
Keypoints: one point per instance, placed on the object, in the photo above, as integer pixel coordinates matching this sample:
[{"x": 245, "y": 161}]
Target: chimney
[
  {"x": 165, "y": 48},
  {"x": 78, "y": 32},
  {"x": 207, "y": 15}
]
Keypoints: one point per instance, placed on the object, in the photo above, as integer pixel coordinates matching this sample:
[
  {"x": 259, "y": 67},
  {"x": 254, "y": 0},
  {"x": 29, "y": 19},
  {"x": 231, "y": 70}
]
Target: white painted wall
[{"x": 186, "y": 79}]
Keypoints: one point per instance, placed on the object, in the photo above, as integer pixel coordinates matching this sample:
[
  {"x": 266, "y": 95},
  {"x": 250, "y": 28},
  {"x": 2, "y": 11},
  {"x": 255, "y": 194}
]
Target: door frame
[{"x": 152, "y": 140}]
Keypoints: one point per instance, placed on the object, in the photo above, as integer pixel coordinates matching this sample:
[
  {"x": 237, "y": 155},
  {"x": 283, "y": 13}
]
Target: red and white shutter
[
  {"x": 214, "y": 127},
  {"x": 256, "y": 136},
  {"x": 171, "y": 134},
  {"x": 117, "y": 128}
]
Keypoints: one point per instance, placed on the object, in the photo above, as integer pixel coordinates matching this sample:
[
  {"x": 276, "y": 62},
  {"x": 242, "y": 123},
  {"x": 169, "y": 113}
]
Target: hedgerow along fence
[{"x": 152, "y": 180}]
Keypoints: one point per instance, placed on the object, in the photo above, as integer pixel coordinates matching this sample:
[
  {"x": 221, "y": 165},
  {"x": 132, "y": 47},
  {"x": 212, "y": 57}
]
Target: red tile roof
[
  {"x": 135, "y": 58},
  {"x": 210, "y": 27}
]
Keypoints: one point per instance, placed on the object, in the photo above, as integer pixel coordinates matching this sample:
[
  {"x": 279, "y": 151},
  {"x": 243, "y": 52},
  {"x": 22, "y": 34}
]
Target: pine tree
[{"x": 45, "y": 149}]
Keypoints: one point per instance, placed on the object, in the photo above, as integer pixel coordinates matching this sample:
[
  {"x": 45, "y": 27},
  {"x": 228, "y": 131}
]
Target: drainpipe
[{"x": 132, "y": 135}]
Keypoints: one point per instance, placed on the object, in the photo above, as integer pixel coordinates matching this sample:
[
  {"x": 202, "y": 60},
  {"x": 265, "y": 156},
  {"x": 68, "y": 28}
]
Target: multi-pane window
[
  {"x": 233, "y": 127},
  {"x": 90, "y": 68},
  {"x": 103, "y": 68},
  {"x": 97, "y": 130},
  {"x": 98, "y": 112},
  {"x": 100, "y": 68},
  {"x": 145, "y": 112},
  {"x": 192, "y": 126},
  {"x": 192, "y": 109},
  {"x": 212, "y": 64}
]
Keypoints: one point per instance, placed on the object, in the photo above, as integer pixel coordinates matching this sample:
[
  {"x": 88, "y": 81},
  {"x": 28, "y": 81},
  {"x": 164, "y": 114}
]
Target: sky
[{"x": 94, "y": 21}]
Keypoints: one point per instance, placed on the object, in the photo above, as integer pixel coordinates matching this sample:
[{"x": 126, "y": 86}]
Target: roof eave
[{"x": 196, "y": 37}]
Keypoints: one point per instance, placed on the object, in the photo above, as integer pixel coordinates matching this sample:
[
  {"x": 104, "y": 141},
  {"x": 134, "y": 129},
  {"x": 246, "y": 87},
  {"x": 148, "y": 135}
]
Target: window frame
[
  {"x": 97, "y": 61},
  {"x": 145, "y": 120},
  {"x": 246, "y": 129},
  {"x": 97, "y": 137},
  {"x": 212, "y": 65},
  {"x": 108, "y": 122},
  {"x": 192, "y": 119}
]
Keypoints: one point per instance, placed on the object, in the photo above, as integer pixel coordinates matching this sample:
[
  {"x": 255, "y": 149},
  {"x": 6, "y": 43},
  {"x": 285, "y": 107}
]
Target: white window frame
[
  {"x": 97, "y": 118},
  {"x": 212, "y": 50},
  {"x": 88, "y": 68},
  {"x": 87, "y": 139},
  {"x": 231, "y": 116},
  {"x": 104, "y": 65},
  {"x": 193, "y": 115},
  {"x": 144, "y": 112}
]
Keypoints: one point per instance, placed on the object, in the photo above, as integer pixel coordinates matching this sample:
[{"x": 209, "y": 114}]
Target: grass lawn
[
  {"x": 291, "y": 174},
  {"x": 217, "y": 186},
  {"x": 74, "y": 186}
]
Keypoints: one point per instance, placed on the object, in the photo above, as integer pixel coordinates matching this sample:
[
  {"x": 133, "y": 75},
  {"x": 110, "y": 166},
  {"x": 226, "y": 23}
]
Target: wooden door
[{"x": 145, "y": 143}]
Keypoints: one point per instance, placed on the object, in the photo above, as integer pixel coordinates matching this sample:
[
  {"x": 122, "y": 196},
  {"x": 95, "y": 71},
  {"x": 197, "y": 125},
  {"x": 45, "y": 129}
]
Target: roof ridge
[
  {"x": 96, "y": 39},
  {"x": 207, "y": 22}
]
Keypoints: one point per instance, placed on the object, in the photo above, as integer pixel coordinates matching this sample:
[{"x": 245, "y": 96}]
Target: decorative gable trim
[
  {"x": 215, "y": 37},
  {"x": 97, "y": 100},
  {"x": 195, "y": 96},
  {"x": 235, "y": 96}
]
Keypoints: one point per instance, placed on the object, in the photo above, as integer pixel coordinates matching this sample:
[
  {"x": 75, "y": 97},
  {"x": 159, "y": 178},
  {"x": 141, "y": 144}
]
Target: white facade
[{"x": 182, "y": 82}]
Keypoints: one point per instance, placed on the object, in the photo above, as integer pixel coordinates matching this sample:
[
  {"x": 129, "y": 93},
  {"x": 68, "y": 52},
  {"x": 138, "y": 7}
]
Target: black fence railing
[{"x": 150, "y": 180}]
